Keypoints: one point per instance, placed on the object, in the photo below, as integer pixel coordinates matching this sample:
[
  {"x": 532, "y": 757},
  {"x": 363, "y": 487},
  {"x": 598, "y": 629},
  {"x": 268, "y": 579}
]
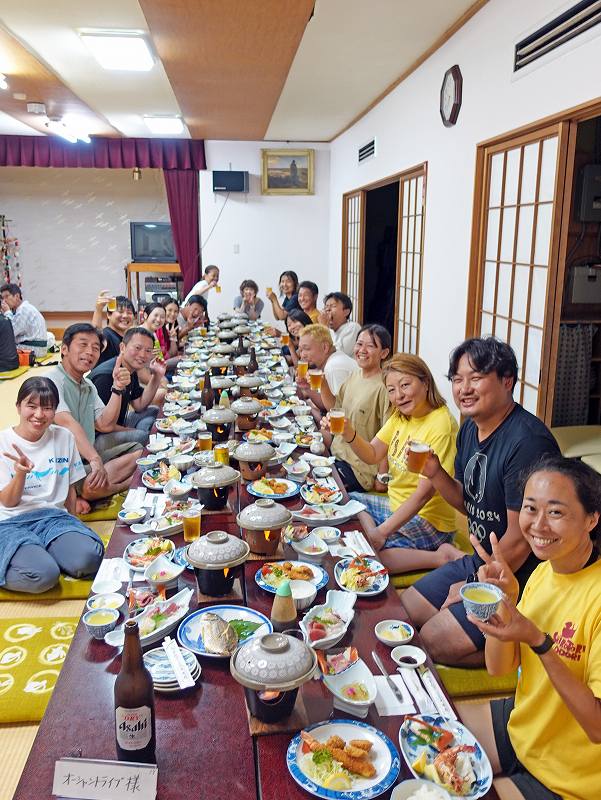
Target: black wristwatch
[
  {"x": 543, "y": 648},
  {"x": 119, "y": 392}
]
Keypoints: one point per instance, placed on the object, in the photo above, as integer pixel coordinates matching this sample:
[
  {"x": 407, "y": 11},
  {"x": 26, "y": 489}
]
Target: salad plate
[
  {"x": 364, "y": 576},
  {"x": 474, "y": 777},
  {"x": 382, "y": 754},
  {"x": 328, "y": 513},
  {"x": 271, "y": 574},
  {"x": 158, "y": 477},
  {"x": 156, "y": 620},
  {"x": 274, "y": 488},
  {"x": 326, "y": 624},
  {"x": 141, "y": 552},
  {"x": 189, "y": 632},
  {"x": 322, "y": 492}
]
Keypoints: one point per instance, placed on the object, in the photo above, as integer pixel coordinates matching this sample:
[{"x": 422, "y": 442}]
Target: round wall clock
[{"x": 450, "y": 96}]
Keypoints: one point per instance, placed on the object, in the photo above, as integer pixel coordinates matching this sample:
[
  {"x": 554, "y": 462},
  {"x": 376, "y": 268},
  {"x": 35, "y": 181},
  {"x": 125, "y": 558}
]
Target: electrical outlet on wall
[{"x": 236, "y": 249}]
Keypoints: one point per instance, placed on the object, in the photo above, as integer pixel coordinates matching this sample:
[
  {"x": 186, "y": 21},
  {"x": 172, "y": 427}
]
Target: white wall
[
  {"x": 408, "y": 130},
  {"x": 271, "y": 233},
  {"x": 73, "y": 229}
]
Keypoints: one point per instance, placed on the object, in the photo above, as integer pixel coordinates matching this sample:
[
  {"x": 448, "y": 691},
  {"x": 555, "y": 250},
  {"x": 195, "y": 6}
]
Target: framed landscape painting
[{"x": 287, "y": 172}]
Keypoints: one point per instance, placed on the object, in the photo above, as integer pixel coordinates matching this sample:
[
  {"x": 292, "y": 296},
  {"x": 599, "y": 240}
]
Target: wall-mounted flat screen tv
[{"x": 152, "y": 241}]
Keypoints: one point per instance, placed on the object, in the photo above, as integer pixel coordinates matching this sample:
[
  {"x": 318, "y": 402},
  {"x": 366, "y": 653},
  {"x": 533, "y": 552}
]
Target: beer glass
[
  {"x": 222, "y": 453},
  {"x": 205, "y": 441},
  {"x": 218, "y": 289},
  {"x": 203, "y": 331},
  {"x": 112, "y": 304},
  {"x": 415, "y": 455},
  {"x": 268, "y": 290},
  {"x": 337, "y": 421},
  {"x": 191, "y": 519},
  {"x": 285, "y": 339},
  {"x": 301, "y": 369},
  {"x": 200, "y": 385},
  {"x": 315, "y": 377}
]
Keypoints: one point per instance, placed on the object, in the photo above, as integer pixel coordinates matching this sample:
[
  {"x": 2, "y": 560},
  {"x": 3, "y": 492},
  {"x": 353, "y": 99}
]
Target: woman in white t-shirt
[{"x": 39, "y": 465}]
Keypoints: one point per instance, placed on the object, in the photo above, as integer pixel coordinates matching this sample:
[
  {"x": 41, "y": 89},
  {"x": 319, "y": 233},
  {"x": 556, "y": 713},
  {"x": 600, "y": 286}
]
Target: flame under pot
[
  {"x": 216, "y": 582},
  {"x": 219, "y": 430},
  {"x": 213, "y": 498},
  {"x": 270, "y": 706},
  {"x": 263, "y": 543},
  {"x": 252, "y": 470}
]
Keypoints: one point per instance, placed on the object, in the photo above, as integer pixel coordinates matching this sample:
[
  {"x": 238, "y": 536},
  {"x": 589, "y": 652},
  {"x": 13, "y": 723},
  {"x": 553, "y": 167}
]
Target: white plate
[
  {"x": 340, "y": 602},
  {"x": 328, "y": 514},
  {"x": 383, "y": 755},
  {"x": 324, "y": 483},
  {"x": 292, "y": 489}
]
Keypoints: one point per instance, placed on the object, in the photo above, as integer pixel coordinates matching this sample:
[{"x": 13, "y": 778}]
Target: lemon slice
[
  {"x": 338, "y": 782},
  {"x": 419, "y": 765}
]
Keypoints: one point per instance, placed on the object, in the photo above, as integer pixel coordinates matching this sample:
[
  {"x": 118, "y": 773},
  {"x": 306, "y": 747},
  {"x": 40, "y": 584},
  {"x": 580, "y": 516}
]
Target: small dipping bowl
[
  {"x": 303, "y": 594},
  {"x": 322, "y": 472},
  {"x": 481, "y": 599},
  {"x": 111, "y": 600},
  {"x": 407, "y": 655},
  {"x": 310, "y": 549},
  {"x": 131, "y": 516},
  {"x": 100, "y": 621},
  {"x": 146, "y": 462},
  {"x": 394, "y": 631},
  {"x": 182, "y": 462},
  {"x": 407, "y": 789},
  {"x": 329, "y": 534}
]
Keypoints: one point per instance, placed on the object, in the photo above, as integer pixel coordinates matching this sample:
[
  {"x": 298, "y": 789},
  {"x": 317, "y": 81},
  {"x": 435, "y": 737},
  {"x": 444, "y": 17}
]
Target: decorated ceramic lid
[
  {"x": 239, "y": 314},
  {"x": 223, "y": 349},
  {"x": 218, "y": 416},
  {"x": 227, "y": 323},
  {"x": 223, "y": 315},
  {"x": 253, "y": 451},
  {"x": 246, "y": 405},
  {"x": 242, "y": 361},
  {"x": 221, "y": 382},
  {"x": 217, "y": 550},
  {"x": 219, "y": 361},
  {"x": 227, "y": 336},
  {"x": 241, "y": 329},
  {"x": 274, "y": 661},
  {"x": 249, "y": 381},
  {"x": 264, "y": 514},
  {"x": 214, "y": 476}
]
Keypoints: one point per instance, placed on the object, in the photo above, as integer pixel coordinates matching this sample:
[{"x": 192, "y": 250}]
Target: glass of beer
[
  {"x": 191, "y": 519},
  {"x": 301, "y": 369},
  {"x": 337, "y": 421},
  {"x": 205, "y": 441},
  {"x": 200, "y": 384},
  {"x": 218, "y": 289},
  {"x": 112, "y": 304},
  {"x": 268, "y": 290},
  {"x": 222, "y": 453},
  {"x": 315, "y": 377},
  {"x": 415, "y": 455},
  {"x": 285, "y": 338},
  {"x": 203, "y": 331}
]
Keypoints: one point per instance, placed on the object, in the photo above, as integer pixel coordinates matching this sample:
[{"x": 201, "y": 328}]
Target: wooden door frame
[
  {"x": 415, "y": 171},
  {"x": 564, "y": 124}
]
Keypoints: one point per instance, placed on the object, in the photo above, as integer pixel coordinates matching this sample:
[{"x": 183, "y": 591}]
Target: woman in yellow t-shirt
[
  {"x": 413, "y": 526},
  {"x": 547, "y": 740}
]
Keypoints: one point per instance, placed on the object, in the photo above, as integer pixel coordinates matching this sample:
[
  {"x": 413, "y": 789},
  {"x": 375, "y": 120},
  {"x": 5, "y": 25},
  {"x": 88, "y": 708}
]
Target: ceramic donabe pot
[
  {"x": 271, "y": 668},
  {"x": 246, "y": 409},
  {"x": 249, "y": 385},
  {"x": 213, "y": 482},
  {"x": 253, "y": 458},
  {"x": 217, "y": 559},
  {"x": 226, "y": 336},
  {"x": 219, "y": 422},
  {"x": 219, "y": 365},
  {"x": 240, "y": 365},
  {"x": 223, "y": 349},
  {"x": 262, "y": 524}
]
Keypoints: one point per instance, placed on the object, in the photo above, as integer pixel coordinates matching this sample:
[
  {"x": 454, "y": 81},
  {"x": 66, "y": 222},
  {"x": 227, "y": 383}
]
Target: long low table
[{"x": 204, "y": 747}]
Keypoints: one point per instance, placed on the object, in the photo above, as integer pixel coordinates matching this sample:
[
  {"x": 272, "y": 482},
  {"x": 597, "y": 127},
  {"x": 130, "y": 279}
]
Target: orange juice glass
[
  {"x": 218, "y": 289},
  {"x": 222, "y": 453},
  {"x": 191, "y": 519}
]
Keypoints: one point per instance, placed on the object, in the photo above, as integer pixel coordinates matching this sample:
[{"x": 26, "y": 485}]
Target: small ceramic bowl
[
  {"x": 146, "y": 462},
  {"x": 303, "y": 593},
  {"x": 481, "y": 599},
  {"x": 106, "y": 586},
  {"x": 301, "y": 411},
  {"x": 289, "y": 391},
  {"x": 132, "y": 516},
  {"x": 329, "y": 534},
  {"x": 394, "y": 631},
  {"x": 408, "y": 789},
  {"x": 158, "y": 445},
  {"x": 357, "y": 673},
  {"x": 163, "y": 572},
  {"x": 322, "y": 472},
  {"x": 311, "y": 549},
  {"x": 112, "y": 600},
  {"x": 177, "y": 490},
  {"x": 407, "y": 655},
  {"x": 182, "y": 462},
  {"x": 297, "y": 471},
  {"x": 99, "y": 630}
]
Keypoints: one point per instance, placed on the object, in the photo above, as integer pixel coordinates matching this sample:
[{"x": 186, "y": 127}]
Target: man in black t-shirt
[
  {"x": 498, "y": 441},
  {"x": 136, "y": 352},
  {"x": 9, "y": 358},
  {"x": 118, "y": 321}
]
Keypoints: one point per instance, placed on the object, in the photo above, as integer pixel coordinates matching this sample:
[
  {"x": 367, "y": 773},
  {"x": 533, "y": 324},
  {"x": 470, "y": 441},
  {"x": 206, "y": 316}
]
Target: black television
[{"x": 152, "y": 241}]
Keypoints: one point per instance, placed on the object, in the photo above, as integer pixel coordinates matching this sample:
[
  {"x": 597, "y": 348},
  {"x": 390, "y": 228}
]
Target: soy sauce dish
[{"x": 407, "y": 655}]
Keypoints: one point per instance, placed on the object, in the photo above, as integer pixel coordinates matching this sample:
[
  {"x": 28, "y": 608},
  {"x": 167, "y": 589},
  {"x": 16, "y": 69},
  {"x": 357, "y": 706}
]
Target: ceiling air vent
[
  {"x": 369, "y": 150},
  {"x": 576, "y": 20}
]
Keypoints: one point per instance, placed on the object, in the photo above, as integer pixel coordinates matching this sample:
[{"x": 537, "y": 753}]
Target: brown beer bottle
[
  {"x": 239, "y": 349},
  {"x": 253, "y": 364},
  {"x": 134, "y": 702},
  {"x": 207, "y": 397}
]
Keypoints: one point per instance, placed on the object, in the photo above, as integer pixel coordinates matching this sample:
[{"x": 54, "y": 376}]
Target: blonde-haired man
[{"x": 317, "y": 348}]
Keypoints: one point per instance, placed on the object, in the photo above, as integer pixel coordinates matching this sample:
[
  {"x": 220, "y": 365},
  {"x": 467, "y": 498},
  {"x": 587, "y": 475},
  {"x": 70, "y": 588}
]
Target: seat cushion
[
  {"x": 464, "y": 682},
  {"x": 576, "y": 441}
]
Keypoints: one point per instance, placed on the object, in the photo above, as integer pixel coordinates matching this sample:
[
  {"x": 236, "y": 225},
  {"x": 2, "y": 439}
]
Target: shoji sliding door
[
  {"x": 514, "y": 270},
  {"x": 353, "y": 251},
  {"x": 412, "y": 204}
]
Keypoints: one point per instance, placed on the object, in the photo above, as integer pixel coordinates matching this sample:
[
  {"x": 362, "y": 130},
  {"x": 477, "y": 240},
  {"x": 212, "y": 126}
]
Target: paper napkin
[{"x": 386, "y": 702}]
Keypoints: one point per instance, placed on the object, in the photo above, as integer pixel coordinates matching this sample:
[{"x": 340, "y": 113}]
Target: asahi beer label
[{"x": 133, "y": 727}]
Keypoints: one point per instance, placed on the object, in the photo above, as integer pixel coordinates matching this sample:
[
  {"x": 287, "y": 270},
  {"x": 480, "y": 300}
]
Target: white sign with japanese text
[{"x": 88, "y": 779}]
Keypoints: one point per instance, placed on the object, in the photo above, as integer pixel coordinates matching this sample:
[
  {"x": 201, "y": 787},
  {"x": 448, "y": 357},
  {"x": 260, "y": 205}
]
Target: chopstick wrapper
[
  {"x": 421, "y": 697},
  {"x": 387, "y": 704}
]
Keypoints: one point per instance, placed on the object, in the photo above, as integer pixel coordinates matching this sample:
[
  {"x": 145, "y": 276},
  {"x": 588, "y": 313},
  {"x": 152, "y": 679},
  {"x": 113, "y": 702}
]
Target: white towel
[{"x": 386, "y": 702}]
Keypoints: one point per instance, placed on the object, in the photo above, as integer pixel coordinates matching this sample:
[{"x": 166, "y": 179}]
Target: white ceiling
[{"x": 351, "y": 52}]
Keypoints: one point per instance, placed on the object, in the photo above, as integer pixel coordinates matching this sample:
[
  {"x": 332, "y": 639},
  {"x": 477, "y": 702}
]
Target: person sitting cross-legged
[
  {"x": 39, "y": 466},
  {"x": 81, "y": 410},
  {"x": 136, "y": 353}
]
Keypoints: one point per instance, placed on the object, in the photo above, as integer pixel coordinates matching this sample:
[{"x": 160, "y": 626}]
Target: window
[
  {"x": 352, "y": 273},
  {"x": 409, "y": 265}
]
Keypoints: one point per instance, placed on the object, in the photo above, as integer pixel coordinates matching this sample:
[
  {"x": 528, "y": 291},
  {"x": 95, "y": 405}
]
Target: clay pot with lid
[
  {"x": 217, "y": 559},
  {"x": 226, "y": 335},
  {"x": 223, "y": 349},
  {"x": 219, "y": 365},
  {"x": 272, "y": 668},
  {"x": 249, "y": 385},
  {"x": 213, "y": 483},
  {"x": 253, "y": 458},
  {"x": 219, "y": 422},
  {"x": 262, "y": 524},
  {"x": 246, "y": 410}
]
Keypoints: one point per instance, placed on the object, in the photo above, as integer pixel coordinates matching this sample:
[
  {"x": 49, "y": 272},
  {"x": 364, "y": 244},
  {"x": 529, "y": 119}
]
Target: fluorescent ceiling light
[
  {"x": 164, "y": 126},
  {"x": 119, "y": 50},
  {"x": 77, "y": 125},
  {"x": 67, "y": 131},
  {"x": 57, "y": 127}
]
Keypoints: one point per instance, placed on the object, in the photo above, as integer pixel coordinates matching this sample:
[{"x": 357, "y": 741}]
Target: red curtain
[
  {"x": 50, "y": 151},
  {"x": 182, "y": 196}
]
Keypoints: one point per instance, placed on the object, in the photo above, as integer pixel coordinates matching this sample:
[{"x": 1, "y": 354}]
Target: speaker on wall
[{"x": 230, "y": 181}]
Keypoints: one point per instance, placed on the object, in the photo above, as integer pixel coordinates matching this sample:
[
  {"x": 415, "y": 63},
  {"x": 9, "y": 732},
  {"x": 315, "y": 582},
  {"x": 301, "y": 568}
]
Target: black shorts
[
  {"x": 529, "y": 786},
  {"x": 351, "y": 484},
  {"x": 435, "y": 587}
]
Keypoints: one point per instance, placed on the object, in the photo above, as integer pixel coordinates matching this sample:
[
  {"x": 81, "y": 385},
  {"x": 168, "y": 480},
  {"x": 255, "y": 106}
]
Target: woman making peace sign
[
  {"x": 547, "y": 740},
  {"x": 39, "y": 464}
]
